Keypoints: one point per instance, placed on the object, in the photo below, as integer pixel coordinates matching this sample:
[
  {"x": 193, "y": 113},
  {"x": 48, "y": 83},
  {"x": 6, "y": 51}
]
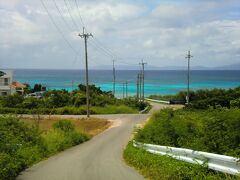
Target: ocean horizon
[{"x": 161, "y": 82}]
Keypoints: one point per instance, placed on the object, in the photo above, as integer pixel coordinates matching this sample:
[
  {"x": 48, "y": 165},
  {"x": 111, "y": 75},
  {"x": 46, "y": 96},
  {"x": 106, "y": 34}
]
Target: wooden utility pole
[
  {"x": 140, "y": 86},
  {"x": 114, "y": 78},
  {"x": 189, "y": 56},
  {"x": 123, "y": 90},
  {"x": 126, "y": 89},
  {"x": 137, "y": 88},
  {"x": 142, "y": 76},
  {"x": 86, "y": 36}
]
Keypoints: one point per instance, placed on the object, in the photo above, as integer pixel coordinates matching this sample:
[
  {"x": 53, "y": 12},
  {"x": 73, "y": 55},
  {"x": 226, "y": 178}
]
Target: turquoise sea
[{"x": 156, "y": 81}]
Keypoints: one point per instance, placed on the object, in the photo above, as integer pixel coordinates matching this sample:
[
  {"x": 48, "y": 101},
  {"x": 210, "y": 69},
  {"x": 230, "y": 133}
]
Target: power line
[
  {"x": 76, "y": 2},
  {"x": 61, "y": 14},
  {"x": 68, "y": 9},
  {"x": 107, "y": 50},
  {"x": 58, "y": 29},
  {"x": 102, "y": 49}
]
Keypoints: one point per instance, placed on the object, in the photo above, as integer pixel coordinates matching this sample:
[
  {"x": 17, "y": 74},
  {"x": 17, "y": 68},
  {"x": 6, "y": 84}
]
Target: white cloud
[
  {"x": 17, "y": 30},
  {"x": 161, "y": 34}
]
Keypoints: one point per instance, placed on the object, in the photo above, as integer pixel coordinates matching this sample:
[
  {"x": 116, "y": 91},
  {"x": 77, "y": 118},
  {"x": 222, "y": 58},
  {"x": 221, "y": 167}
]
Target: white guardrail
[
  {"x": 158, "y": 101},
  {"x": 225, "y": 164}
]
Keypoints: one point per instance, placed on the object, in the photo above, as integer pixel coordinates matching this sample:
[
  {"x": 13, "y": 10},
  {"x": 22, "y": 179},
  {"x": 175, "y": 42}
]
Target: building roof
[{"x": 18, "y": 85}]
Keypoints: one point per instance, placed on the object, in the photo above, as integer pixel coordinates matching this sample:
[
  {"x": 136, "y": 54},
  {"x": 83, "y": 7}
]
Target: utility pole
[
  {"x": 72, "y": 85},
  {"x": 123, "y": 89},
  {"x": 189, "y": 56},
  {"x": 143, "y": 64},
  {"x": 114, "y": 78},
  {"x": 140, "y": 86},
  {"x": 137, "y": 88},
  {"x": 126, "y": 89},
  {"x": 86, "y": 36}
]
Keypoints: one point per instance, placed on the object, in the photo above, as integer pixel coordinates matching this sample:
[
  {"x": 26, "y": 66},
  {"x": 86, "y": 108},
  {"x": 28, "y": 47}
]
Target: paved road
[{"x": 97, "y": 159}]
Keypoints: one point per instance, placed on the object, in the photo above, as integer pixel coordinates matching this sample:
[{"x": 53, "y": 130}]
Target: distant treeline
[
  {"x": 204, "y": 98},
  {"x": 64, "y": 102}
]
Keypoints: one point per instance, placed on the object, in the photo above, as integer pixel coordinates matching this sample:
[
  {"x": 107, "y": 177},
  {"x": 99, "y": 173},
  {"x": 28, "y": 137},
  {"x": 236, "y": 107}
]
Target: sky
[{"x": 43, "y": 34}]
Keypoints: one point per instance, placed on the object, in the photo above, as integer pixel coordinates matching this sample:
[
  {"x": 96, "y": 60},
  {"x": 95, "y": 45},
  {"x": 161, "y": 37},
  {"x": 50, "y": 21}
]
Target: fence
[
  {"x": 222, "y": 163},
  {"x": 158, "y": 101}
]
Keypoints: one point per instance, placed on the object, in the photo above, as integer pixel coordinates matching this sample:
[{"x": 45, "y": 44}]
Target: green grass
[
  {"x": 22, "y": 145},
  {"x": 215, "y": 131},
  {"x": 158, "y": 167},
  {"x": 108, "y": 109}
]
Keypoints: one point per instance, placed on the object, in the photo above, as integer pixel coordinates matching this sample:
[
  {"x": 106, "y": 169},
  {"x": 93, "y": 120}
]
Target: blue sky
[{"x": 160, "y": 32}]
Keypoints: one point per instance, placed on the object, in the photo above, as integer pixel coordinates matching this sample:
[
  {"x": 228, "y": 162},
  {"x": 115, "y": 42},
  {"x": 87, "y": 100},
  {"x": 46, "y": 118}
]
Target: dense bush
[
  {"x": 215, "y": 131},
  {"x": 235, "y": 103},
  {"x": 204, "y": 98},
  {"x": 63, "y": 102},
  {"x": 11, "y": 101},
  {"x": 21, "y": 145}
]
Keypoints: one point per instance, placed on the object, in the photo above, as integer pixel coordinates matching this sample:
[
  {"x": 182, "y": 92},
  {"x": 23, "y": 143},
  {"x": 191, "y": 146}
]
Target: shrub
[
  {"x": 31, "y": 103},
  {"x": 215, "y": 131},
  {"x": 64, "y": 125},
  {"x": 235, "y": 103},
  {"x": 12, "y": 101},
  {"x": 22, "y": 145}
]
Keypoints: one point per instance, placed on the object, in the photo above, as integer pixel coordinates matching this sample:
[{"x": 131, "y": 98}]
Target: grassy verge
[
  {"x": 25, "y": 142},
  {"x": 215, "y": 131},
  {"x": 91, "y": 127},
  {"x": 108, "y": 109},
  {"x": 156, "y": 167}
]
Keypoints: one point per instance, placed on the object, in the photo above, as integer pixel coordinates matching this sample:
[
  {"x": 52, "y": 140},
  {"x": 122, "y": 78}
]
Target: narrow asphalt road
[{"x": 98, "y": 159}]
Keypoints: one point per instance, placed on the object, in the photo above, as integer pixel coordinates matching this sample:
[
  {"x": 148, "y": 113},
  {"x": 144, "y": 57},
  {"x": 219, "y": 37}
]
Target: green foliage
[
  {"x": 215, "y": 131},
  {"x": 64, "y": 125},
  {"x": 56, "y": 98},
  {"x": 78, "y": 99},
  {"x": 63, "y": 102},
  {"x": 31, "y": 103},
  {"x": 113, "y": 109},
  {"x": 235, "y": 103},
  {"x": 163, "y": 167},
  {"x": 11, "y": 101},
  {"x": 204, "y": 98},
  {"x": 37, "y": 87},
  {"x": 21, "y": 145},
  {"x": 94, "y": 90}
]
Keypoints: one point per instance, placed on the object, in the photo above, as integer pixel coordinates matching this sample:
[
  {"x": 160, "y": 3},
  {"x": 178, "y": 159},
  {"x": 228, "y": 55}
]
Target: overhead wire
[
  {"x": 68, "y": 9},
  {"x": 58, "y": 29},
  {"x": 61, "y": 14},
  {"x": 79, "y": 14}
]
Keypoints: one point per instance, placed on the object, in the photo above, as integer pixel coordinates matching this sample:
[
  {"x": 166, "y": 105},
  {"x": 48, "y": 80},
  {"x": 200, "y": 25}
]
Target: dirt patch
[
  {"x": 115, "y": 123},
  {"x": 92, "y": 126}
]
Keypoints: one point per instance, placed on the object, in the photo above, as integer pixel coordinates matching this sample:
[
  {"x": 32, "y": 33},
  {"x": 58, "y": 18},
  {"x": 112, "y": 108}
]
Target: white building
[{"x": 6, "y": 87}]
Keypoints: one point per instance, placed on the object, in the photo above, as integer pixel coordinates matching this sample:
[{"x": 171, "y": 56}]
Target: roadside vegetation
[
  {"x": 157, "y": 167},
  {"x": 210, "y": 123},
  {"x": 204, "y": 98},
  {"x": 215, "y": 131},
  {"x": 24, "y": 142},
  {"x": 64, "y": 102}
]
